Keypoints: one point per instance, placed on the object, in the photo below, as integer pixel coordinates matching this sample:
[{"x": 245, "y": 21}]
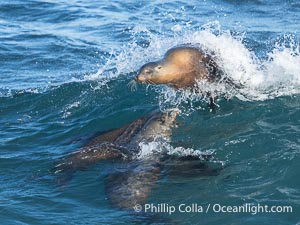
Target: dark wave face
[{"x": 65, "y": 67}]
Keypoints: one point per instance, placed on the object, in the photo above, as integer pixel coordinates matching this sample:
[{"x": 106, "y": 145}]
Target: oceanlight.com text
[{"x": 215, "y": 208}]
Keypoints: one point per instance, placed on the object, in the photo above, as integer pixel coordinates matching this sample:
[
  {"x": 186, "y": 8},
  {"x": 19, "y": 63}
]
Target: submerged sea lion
[
  {"x": 132, "y": 187},
  {"x": 180, "y": 68}
]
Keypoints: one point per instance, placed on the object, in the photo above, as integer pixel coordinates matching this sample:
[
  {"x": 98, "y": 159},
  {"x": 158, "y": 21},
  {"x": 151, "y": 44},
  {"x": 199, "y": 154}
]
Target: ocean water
[{"x": 65, "y": 66}]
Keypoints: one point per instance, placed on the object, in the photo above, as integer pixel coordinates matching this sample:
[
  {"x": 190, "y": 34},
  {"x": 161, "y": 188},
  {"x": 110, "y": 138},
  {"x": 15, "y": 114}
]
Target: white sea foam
[
  {"x": 67, "y": 112},
  {"x": 150, "y": 148}
]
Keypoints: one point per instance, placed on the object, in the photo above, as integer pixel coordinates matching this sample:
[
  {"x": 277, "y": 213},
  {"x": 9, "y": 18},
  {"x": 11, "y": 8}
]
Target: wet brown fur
[{"x": 180, "y": 68}]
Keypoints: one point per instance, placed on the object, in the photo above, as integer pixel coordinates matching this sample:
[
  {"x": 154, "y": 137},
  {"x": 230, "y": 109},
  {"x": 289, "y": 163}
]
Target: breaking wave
[{"x": 256, "y": 78}]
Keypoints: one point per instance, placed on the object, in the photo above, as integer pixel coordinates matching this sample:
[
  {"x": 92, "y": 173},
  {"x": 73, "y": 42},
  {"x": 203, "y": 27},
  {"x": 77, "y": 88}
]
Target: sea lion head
[
  {"x": 159, "y": 124},
  {"x": 179, "y": 68}
]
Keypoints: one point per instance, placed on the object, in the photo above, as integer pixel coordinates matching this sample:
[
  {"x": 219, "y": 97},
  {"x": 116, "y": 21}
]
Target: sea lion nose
[{"x": 139, "y": 78}]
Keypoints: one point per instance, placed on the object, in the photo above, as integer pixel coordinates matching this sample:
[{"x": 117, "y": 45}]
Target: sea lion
[
  {"x": 132, "y": 187},
  {"x": 180, "y": 68}
]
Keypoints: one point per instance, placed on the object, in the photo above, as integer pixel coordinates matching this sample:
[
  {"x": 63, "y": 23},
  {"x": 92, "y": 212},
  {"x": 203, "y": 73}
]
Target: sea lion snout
[
  {"x": 146, "y": 72},
  {"x": 140, "y": 78}
]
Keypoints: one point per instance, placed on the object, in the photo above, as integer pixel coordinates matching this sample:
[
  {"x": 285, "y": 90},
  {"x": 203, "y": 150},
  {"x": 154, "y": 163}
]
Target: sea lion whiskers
[
  {"x": 146, "y": 81},
  {"x": 132, "y": 85},
  {"x": 150, "y": 82}
]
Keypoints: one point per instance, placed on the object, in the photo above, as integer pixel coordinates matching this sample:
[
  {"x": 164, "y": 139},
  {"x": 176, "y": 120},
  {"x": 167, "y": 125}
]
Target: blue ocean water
[{"x": 65, "y": 66}]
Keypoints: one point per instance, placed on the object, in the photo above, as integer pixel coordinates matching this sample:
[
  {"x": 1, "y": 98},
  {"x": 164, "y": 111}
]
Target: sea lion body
[
  {"x": 180, "y": 67},
  {"x": 124, "y": 189},
  {"x": 133, "y": 181}
]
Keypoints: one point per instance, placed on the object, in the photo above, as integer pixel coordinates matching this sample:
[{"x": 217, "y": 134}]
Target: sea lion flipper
[
  {"x": 212, "y": 104},
  {"x": 120, "y": 136},
  {"x": 86, "y": 157}
]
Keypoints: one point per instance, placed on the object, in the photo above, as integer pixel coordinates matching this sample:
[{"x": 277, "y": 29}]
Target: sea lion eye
[
  {"x": 159, "y": 67},
  {"x": 148, "y": 71}
]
